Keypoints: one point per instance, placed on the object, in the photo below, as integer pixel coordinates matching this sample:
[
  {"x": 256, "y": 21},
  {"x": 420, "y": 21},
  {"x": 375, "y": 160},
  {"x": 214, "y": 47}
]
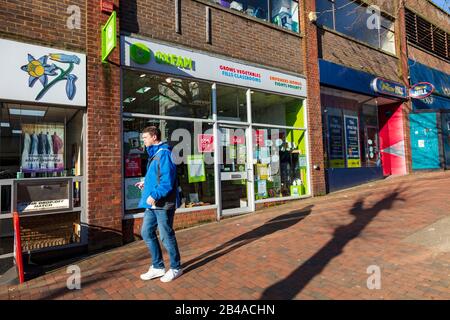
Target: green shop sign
[
  {"x": 109, "y": 39},
  {"x": 141, "y": 54}
]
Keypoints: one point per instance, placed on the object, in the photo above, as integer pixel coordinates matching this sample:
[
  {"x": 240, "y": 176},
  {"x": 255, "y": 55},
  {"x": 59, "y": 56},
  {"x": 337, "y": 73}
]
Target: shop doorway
[{"x": 235, "y": 175}]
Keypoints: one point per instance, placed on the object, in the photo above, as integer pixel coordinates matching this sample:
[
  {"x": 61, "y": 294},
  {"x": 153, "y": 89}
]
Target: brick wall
[
  {"x": 43, "y": 22},
  {"x": 311, "y": 63},
  {"x": 428, "y": 59},
  {"x": 104, "y": 139},
  {"x": 233, "y": 35},
  {"x": 340, "y": 50}
]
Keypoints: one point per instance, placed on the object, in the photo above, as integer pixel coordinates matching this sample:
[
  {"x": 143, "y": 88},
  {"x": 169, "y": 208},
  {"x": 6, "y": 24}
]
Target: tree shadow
[
  {"x": 292, "y": 285},
  {"x": 276, "y": 224}
]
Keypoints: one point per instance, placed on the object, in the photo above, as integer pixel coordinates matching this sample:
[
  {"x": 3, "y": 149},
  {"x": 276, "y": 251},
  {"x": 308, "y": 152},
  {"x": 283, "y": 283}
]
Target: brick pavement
[{"x": 318, "y": 248}]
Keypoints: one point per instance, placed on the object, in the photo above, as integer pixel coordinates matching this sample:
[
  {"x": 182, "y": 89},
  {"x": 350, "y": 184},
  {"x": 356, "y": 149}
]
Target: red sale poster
[
  {"x": 133, "y": 165},
  {"x": 205, "y": 143}
]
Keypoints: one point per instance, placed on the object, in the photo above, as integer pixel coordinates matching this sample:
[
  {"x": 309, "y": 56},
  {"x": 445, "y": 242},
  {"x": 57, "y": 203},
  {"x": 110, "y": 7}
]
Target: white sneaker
[
  {"x": 172, "y": 274},
  {"x": 153, "y": 273}
]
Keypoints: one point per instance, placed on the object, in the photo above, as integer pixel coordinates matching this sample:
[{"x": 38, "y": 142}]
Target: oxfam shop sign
[
  {"x": 141, "y": 54},
  {"x": 167, "y": 59}
]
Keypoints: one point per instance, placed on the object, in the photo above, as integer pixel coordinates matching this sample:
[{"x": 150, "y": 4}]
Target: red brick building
[{"x": 263, "y": 101}]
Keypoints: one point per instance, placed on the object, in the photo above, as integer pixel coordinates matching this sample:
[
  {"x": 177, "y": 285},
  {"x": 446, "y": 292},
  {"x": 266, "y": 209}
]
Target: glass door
[{"x": 234, "y": 175}]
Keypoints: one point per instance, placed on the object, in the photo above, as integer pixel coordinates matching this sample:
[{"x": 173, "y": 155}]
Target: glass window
[
  {"x": 275, "y": 109},
  {"x": 231, "y": 103},
  {"x": 279, "y": 163},
  {"x": 283, "y": 12},
  {"x": 350, "y": 130},
  {"x": 192, "y": 150},
  {"x": 324, "y": 9},
  {"x": 165, "y": 95},
  {"x": 40, "y": 141},
  {"x": 351, "y": 18}
]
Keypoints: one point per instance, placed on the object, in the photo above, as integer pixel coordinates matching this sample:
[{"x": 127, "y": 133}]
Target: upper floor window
[
  {"x": 354, "y": 20},
  {"x": 427, "y": 36},
  {"x": 283, "y": 13}
]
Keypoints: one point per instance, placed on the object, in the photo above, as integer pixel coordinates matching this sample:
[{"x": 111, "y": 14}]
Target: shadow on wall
[{"x": 294, "y": 284}]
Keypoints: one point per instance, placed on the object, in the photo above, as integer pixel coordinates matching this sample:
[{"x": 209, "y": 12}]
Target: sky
[{"x": 445, "y": 4}]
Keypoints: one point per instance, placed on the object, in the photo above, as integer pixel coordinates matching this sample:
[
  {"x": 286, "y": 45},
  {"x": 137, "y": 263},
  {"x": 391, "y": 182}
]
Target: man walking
[{"x": 160, "y": 199}]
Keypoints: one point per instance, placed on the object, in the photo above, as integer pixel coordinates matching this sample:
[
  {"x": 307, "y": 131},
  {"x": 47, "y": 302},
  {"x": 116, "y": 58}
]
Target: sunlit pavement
[{"x": 385, "y": 240}]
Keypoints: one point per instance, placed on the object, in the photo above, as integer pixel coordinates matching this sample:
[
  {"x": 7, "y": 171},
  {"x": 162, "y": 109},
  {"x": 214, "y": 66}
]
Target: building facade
[
  {"x": 263, "y": 101},
  {"x": 428, "y": 39}
]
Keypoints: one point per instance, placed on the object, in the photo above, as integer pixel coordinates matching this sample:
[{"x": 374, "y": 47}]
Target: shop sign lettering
[
  {"x": 389, "y": 88},
  {"x": 421, "y": 90}
]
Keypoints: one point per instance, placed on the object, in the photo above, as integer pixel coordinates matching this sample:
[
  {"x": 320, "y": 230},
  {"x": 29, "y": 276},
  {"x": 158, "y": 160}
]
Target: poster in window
[
  {"x": 43, "y": 147},
  {"x": 205, "y": 143},
  {"x": 352, "y": 141},
  {"x": 133, "y": 165},
  {"x": 336, "y": 142},
  {"x": 196, "y": 168},
  {"x": 132, "y": 193}
]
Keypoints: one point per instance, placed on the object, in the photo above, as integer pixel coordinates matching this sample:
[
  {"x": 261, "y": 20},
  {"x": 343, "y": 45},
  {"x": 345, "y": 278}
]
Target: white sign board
[
  {"x": 161, "y": 58},
  {"x": 32, "y": 73},
  {"x": 43, "y": 205}
]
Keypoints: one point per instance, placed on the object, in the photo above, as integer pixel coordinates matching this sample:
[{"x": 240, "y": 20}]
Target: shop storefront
[
  {"x": 362, "y": 126},
  {"x": 430, "y": 119},
  {"x": 43, "y": 102},
  {"x": 238, "y": 131}
]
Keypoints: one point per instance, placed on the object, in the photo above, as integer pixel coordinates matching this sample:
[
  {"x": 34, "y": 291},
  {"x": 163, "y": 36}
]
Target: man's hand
[
  {"x": 151, "y": 201},
  {"x": 139, "y": 185}
]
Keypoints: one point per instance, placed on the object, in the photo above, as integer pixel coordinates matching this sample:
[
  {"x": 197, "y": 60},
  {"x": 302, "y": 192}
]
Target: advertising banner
[
  {"x": 336, "y": 142},
  {"x": 352, "y": 141},
  {"x": 142, "y": 54}
]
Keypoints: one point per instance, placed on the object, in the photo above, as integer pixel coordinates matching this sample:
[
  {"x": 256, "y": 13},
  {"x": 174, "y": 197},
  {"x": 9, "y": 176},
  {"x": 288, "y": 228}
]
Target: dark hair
[{"x": 153, "y": 131}]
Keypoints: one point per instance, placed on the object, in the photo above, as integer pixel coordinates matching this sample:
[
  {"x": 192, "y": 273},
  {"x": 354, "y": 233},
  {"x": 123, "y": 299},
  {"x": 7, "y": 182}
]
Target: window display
[
  {"x": 166, "y": 96},
  {"x": 40, "y": 141},
  {"x": 350, "y": 130},
  {"x": 195, "y": 175},
  {"x": 280, "y": 164}
]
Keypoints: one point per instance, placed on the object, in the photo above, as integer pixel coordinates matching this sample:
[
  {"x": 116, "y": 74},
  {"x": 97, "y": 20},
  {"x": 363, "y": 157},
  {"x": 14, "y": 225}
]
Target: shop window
[
  {"x": 351, "y": 18},
  {"x": 6, "y": 237},
  {"x": 192, "y": 150},
  {"x": 275, "y": 109},
  {"x": 280, "y": 164},
  {"x": 283, "y": 13},
  {"x": 231, "y": 103},
  {"x": 40, "y": 141},
  {"x": 149, "y": 93},
  {"x": 350, "y": 130}
]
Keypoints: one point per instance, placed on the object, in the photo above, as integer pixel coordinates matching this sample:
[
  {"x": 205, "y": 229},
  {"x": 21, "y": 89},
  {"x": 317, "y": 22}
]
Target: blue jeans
[{"x": 163, "y": 219}]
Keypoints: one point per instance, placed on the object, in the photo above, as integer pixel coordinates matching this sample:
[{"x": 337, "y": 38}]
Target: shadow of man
[
  {"x": 289, "y": 287},
  {"x": 276, "y": 224}
]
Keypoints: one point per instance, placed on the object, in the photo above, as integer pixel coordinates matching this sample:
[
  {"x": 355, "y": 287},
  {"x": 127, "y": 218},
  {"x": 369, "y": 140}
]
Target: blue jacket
[{"x": 162, "y": 191}]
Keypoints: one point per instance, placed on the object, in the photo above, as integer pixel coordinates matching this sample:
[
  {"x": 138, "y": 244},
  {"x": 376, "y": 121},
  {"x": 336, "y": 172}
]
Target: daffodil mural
[{"x": 39, "y": 69}]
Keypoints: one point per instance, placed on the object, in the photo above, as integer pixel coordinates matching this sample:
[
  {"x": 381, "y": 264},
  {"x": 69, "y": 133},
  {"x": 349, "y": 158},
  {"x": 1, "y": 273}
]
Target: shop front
[
  {"x": 43, "y": 102},
  {"x": 238, "y": 131},
  {"x": 430, "y": 119},
  {"x": 362, "y": 126}
]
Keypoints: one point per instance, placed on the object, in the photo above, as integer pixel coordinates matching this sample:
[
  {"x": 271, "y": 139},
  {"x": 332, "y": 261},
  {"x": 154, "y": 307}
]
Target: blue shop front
[
  {"x": 430, "y": 119},
  {"x": 362, "y": 119}
]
